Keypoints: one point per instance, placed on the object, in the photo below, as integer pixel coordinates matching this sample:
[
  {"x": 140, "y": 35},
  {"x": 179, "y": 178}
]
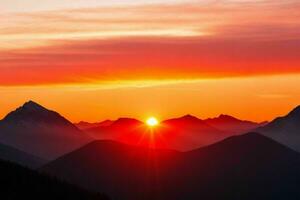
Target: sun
[{"x": 152, "y": 121}]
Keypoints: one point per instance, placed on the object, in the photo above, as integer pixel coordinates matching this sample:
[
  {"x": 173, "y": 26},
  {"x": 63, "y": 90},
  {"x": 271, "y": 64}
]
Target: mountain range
[
  {"x": 46, "y": 134},
  {"x": 249, "y": 166},
  {"x": 182, "y": 158},
  {"x": 184, "y": 133}
]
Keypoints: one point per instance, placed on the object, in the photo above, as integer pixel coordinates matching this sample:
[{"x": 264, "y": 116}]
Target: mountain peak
[
  {"x": 32, "y": 105},
  {"x": 126, "y": 121},
  {"x": 230, "y": 119},
  {"x": 226, "y": 117},
  {"x": 188, "y": 116},
  {"x": 32, "y": 111},
  {"x": 186, "y": 120},
  {"x": 223, "y": 119},
  {"x": 31, "y": 122}
]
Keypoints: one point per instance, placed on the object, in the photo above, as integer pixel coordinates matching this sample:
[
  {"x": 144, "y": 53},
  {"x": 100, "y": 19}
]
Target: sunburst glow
[{"x": 152, "y": 121}]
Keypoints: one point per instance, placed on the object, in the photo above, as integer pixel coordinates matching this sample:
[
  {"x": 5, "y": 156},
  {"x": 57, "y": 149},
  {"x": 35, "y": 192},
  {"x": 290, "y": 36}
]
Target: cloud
[
  {"x": 160, "y": 41},
  {"x": 148, "y": 58},
  {"x": 186, "y": 19}
]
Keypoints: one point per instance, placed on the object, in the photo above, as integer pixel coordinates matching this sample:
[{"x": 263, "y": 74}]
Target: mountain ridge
[
  {"x": 285, "y": 129},
  {"x": 41, "y": 132},
  {"x": 183, "y": 133}
]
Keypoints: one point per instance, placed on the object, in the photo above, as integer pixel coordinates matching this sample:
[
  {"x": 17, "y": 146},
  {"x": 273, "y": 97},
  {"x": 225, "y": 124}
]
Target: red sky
[{"x": 104, "y": 51}]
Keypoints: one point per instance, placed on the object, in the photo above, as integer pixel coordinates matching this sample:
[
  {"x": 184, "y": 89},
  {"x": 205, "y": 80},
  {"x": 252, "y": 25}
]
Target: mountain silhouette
[
  {"x": 16, "y": 156},
  {"x": 122, "y": 129},
  {"x": 183, "y": 133},
  {"x": 22, "y": 183},
  {"x": 249, "y": 166},
  {"x": 127, "y": 130},
  {"x": 189, "y": 132},
  {"x": 40, "y": 132},
  {"x": 285, "y": 130},
  {"x": 232, "y": 124},
  {"x": 86, "y": 125}
]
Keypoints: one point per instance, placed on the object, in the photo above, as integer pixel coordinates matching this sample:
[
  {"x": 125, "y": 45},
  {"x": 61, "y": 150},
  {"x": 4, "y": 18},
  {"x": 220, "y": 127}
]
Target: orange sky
[{"x": 91, "y": 60}]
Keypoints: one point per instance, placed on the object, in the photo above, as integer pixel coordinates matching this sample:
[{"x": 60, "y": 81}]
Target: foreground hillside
[
  {"x": 21, "y": 183},
  {"x": 245, "y": 167},
  {"x": 11, "y": 154}
]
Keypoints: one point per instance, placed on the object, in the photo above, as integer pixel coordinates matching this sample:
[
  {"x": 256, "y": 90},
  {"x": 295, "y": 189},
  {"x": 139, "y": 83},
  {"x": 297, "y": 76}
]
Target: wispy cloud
[
  {"x": 192, "y": 40},
  {"x": 148, "y": 58},
  {"x": 254, "y": 19}
]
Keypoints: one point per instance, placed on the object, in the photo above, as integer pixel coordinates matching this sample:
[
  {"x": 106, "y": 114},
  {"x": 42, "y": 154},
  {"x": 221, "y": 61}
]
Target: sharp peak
[
  {"x": 33, "y": 105},
  {"x": 31, "y": 110}
]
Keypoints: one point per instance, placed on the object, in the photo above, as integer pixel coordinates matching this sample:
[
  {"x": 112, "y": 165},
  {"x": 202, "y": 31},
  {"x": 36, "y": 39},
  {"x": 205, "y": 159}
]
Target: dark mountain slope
[
  {"x": 120, "y": 169},
  {"x": 244, "y": 167},
  {"x": 21, "y": 183},
  {"x": 285, "y": 130},
  {"x": 14, "y": 155}
]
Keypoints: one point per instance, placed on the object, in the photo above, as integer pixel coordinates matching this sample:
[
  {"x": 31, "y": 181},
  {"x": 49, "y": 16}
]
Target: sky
[{"x": 93, "y": 60}]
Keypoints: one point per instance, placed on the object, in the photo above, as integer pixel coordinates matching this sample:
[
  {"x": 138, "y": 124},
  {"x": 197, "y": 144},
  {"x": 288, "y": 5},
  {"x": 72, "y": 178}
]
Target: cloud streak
[
  {"x": 210, "y": 39},
  {"x": 148, "y": 58}
]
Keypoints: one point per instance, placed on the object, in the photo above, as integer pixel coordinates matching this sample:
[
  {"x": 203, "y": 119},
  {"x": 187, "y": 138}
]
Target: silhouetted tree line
[{"x": 18, "y": 182}]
